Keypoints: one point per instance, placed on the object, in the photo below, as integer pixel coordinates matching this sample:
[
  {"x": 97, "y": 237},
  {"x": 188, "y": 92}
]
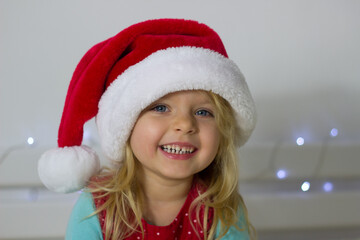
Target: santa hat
[{"x": 119, "y": 77}]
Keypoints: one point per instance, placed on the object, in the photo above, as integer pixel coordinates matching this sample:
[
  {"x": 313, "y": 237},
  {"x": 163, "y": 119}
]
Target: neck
[
  {"x": 164, "y": 190},
  {"x": 163, "y": 198}
]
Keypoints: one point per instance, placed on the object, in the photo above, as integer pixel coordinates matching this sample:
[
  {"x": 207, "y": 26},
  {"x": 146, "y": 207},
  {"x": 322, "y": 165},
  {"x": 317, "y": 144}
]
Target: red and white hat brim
[{"x": 163, "y": 72}]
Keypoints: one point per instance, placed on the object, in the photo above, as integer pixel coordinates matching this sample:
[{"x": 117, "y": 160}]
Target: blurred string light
[
  {"x": 30, "y": 140},
  {"x": 328, "y": 187},
  {"x": 300, "y": 141},
  {"x": 334, "y": 132},
  {"x": 33, "y": 195},
  {"x": 305, "y": 186},
  {"x": 281, "y": 174}
]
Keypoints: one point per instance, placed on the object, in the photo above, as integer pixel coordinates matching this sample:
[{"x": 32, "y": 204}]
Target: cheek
[
  {"x": 144, "y": 139},
  {"x": 137, "y": 139},
  {"x": 211, "y": 138}
]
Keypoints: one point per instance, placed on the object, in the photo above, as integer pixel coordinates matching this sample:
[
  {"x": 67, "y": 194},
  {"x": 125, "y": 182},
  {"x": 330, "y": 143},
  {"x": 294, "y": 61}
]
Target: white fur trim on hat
[
  {"x": 68, "y": 169},
  {"x": 163, "y": 72}
]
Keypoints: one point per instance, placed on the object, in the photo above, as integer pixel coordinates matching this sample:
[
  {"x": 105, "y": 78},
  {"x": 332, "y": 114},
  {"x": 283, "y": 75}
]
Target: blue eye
[
  {"x": 203, "y": 113},
  {"x": 160, "y": 108}
]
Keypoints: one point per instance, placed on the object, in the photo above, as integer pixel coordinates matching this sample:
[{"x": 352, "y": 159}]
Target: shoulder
[
  {"x": 238, "y": 232},
  {"x": 80, "y": 225}
]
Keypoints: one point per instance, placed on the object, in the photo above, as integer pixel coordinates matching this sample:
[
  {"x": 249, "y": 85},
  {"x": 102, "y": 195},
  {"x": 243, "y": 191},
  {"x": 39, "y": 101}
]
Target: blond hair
[{"x": 125, "y": 199}]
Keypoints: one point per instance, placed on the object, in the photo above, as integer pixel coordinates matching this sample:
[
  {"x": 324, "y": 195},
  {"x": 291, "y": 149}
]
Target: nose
[{"x": 185, "y": 123}]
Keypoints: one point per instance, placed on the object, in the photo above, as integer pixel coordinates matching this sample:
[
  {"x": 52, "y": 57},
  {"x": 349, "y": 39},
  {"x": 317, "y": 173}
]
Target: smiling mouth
[{"x": 176, "y": 149}]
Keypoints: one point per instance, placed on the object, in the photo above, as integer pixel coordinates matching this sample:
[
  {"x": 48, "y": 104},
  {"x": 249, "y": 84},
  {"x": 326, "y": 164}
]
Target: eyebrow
[{"x": 205, "y": 103}]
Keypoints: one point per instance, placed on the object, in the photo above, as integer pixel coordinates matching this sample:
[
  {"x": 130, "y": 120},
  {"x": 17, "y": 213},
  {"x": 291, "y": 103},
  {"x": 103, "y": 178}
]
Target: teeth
[{"x": 177, "y": 149}]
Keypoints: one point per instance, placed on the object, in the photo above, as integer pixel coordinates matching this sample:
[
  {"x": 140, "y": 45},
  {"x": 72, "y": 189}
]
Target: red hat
[{"x": 119, "y": 77}]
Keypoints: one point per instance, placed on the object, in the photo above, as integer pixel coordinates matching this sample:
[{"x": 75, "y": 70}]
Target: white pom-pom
[{"x": 68, "y": 169}]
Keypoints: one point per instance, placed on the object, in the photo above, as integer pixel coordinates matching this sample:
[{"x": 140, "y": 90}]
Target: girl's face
[{"x": 176, "y": 136}]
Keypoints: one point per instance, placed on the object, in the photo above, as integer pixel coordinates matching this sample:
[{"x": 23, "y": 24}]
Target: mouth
[{"x": 178, "y": 149}]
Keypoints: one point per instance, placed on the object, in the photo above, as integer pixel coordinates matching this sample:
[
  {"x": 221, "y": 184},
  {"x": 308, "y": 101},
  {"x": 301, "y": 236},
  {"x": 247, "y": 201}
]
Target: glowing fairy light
[
  {"x": 300, "y": 141},
  {"x": 328, "y": 187},
  {"x": 30, "y": 141},
  {"x": 334, "y": 132},
  {"x": 281, "y": 174},
  {"x": 305, "y": 186}
]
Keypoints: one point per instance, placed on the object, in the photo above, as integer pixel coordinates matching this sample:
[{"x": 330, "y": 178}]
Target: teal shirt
[{"x": 82, "y": 228}]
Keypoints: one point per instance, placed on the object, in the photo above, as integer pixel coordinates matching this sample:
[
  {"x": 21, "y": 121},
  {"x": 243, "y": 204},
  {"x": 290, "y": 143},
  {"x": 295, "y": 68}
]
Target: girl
[{"x": 171, "y": 110}]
